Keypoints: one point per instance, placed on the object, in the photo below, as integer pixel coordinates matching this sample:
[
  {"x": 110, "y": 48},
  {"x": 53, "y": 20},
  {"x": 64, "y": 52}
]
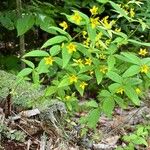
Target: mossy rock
[{"x": 24, "y": 93}]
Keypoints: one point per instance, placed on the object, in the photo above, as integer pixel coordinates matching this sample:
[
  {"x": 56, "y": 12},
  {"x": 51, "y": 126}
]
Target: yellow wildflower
[
  {"x": 94, "y": 10},
  {"x": 91, "y": 72},
  {"x": 88, "y": 61},
  {"x": 73, "y": 78},
  {"x": 49, "y": 60},
  {"x": 120, "y": 90},
  {"x": 87, "y": 42},
  {"x": 103, "y": 69},
  {"x": 84, "y": 33},
  {"x": 102, "y": 56},
  {"x": 118, "y": 29},
  {"x": 83, "y": 85},
  {"x": 132, "y": 12},
  {"x": 71, "y": 48},
  {"x": 98, "y": 36},
  {"x": 106, "y": 24},
  {"x": 144, "y": 69},
  {"x": 94, "y": 22},
  {"x": 64, "y": 25},
  {"x": 76, "y": 17},
  {"x": 79, "y": 61},
  {"x": 143, "y": 52},
  {"x": 138, "y": 90},
  {"x": 67, "y": 97}
]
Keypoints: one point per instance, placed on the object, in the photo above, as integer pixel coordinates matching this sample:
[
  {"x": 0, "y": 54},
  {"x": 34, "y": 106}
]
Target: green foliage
[
  {"x": 16, "y": 135},
  {"x": 93, "y": 49},
  {"x": 138, "y": 137}
]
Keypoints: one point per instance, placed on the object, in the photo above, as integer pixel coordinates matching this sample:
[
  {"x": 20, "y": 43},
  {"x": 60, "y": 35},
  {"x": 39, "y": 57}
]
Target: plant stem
[{"x": 21, "y": 37}]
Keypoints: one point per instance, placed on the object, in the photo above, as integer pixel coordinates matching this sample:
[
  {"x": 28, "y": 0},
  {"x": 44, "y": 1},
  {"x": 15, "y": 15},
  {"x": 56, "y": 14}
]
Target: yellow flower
[
  {"x": 102, "y": 56},
  {"x": 118, "y": 29},
  {"x": 73, "y": 78},
  {"x": 132, "y": 12},
  {"x": 87, "y": 42},
  {"x": 106, "y": 24},
  {"x": 71, "y": 48},
  {"x": 76, "y": 17},
  {"x": 79, "y": 61},
  {"x": 103, "y": 69},
  {"x": 120, "y": 90},
  {"x": 88, "y": 61},
  {"x": 138, "y": 90},
  {"x": 94, "y": 10},
  {"x": 91, "y": 72},
  {"x": 49, "y": 60},
  {"x": 84, "y": 33},
  {"x": 94, "y": 22},
  {"x": 67, "y": 97},
  {"x": 64, "y": 25},
  {"x": 144, "y": 69},
  {"x": 143, "y": 52},
  {"x": 98, "y": 36},
  {"x": 83, "y": 85}
]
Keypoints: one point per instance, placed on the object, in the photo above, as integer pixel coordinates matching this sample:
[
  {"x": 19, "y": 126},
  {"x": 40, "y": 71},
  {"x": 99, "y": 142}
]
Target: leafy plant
[{"x": 98, "y": 52}]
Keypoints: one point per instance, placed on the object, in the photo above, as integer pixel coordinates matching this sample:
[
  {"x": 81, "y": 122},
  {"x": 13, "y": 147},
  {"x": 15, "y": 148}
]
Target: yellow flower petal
[
  {"x": 144, "y": 69},
  {"x": 88, "y": 61},
  {"x": 94, "y": 10},
  {"x": 83, "y": 85},
  {"x": 120, "y": 90},
  {"x": 49, "y": 60},
  {"x": 143, "y": 52},
  {"x": 138, "y": 90},
  {"x": 76, "y": 17},
  {"x": 64, "y": 25},
  {"x": 94, "y": 22},
  {"x": 103, "y": 69},
  {"x": 71, "y": 48},
  {"x": 73, "y": 79}
]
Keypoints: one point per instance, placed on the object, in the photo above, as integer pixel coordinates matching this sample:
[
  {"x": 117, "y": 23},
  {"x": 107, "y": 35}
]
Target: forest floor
[{"x": 108, "y": 134}]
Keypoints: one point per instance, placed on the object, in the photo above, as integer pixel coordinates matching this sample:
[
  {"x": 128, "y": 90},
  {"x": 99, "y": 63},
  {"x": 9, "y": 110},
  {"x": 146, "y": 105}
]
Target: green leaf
[
  {"x": 131, "y": 57},
  {"x": 108, "y": 106},
  {"x": 120, "y": 102},
  {"x": 93, "y": 118},
  {"x": 29, "y": 63},
  {"x": 119, "y": 10},
  {"x": 55, "y": 50},
  {"x": 102, "y": 1},
  {"x": 130, "y": 92},
  {"x": 114, "y": 76},
  {"x": 35, "y": 77},
  {"x": 24, "y": 72},
  {"x": 54, "y": 40},
  {"x": 105, "y": 93},
  {"x": 139, "y": 43},
  {"x": 113, "y": 87},
  {"x": 64, "y": 82},
  {"x": 131, "y": 71},
  {"x": 91, "y": 32},
  {"x": 111, "y": 62},
  {"x": 61, "y": 31},
  {"x": 42, "y": 67},
  {"x": 91, "y": 104},
  {"x": 36, "y": 53},
  {"x": 99, "y": 76},
  {"x": 50, "y": 90},
  {"x": 24, "y": 24},
  {"x": 78, "y": 88},
  {"x": 66, "y": 56}
]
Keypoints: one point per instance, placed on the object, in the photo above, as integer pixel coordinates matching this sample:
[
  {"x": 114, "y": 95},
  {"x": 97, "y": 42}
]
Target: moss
[{"x": 24, "y": 93}]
